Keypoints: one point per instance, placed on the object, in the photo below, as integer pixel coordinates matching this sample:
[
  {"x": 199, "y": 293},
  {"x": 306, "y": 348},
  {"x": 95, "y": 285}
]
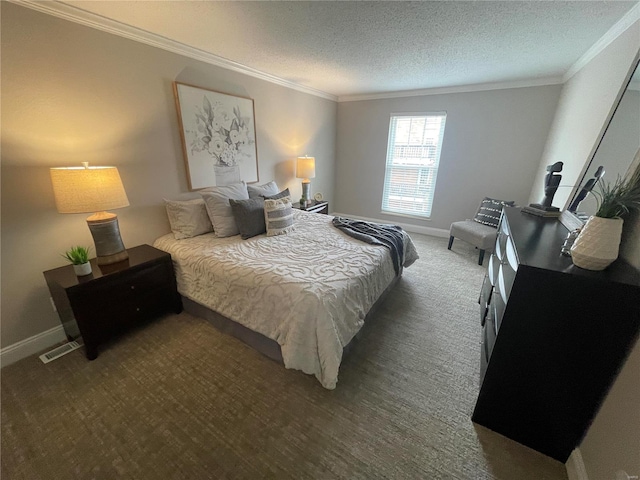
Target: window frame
[{"x": 422, "y": 170}]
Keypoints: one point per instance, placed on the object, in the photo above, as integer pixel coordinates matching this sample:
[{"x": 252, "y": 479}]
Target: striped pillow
[
  {"x": 490, "y": 211},
  {"x": 278, "y": 215}
]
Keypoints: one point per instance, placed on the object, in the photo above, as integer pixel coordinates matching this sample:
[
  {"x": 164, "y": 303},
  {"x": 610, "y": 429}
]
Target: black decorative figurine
[
  {"x": 551, "y": 183},
  {"x": 588, "y": 186}
]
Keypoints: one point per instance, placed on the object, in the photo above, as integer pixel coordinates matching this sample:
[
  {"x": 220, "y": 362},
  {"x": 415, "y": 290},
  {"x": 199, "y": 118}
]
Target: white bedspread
[{"x": 308, "y": 290}]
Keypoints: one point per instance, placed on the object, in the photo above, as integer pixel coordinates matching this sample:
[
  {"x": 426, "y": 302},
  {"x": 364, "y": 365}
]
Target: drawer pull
[
  {"x": 137, "y": 309},
  {"x": 133, "y": 287}
]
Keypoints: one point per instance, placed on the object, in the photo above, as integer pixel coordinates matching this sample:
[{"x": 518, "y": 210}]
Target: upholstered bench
[{"x": 481, "y": 232}]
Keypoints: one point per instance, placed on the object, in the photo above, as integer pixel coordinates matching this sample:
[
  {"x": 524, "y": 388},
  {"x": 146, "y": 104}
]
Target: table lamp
[
  {"x": 94, "y": 189},
  {"x": 306, "y": 169}
]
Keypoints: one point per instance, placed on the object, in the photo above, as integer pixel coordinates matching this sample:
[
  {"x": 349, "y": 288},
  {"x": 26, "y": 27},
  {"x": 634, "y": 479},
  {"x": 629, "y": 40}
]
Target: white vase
[
  {"x": 226, "y": 175},
  {"x": 598, "y": 244},
  {"x": 82, "y": 270}
]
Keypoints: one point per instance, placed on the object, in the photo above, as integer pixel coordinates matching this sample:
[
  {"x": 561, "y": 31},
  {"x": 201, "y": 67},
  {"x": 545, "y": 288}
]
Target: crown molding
[
  {"x": 98, "y": 22},
  {"x": 614, "y": 32},
  {"x": 77, "y": 15},
  {"x": 479, "y": 87}
]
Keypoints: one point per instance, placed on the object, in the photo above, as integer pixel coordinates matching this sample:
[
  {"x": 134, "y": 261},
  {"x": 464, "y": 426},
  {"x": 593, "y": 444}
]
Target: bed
[{"x": 308, "y": 290}]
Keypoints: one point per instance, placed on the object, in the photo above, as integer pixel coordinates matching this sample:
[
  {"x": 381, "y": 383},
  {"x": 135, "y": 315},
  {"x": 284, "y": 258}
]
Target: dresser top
[{"x": 538, "y": 241}]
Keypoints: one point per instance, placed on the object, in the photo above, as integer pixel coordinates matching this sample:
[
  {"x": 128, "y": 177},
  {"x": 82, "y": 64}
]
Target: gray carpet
[{"x": 179, "y": 400}]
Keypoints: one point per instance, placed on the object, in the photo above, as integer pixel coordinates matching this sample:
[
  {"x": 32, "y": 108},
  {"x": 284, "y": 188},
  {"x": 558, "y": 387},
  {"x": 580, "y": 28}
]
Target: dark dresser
[
  {"x": 554, "y": 336},
  {"x": 115, "y": 297}
]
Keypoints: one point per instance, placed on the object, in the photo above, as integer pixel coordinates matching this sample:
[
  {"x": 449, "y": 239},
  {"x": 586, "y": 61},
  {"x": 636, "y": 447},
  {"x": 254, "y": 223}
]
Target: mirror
[{"x": 616, "y": 151}]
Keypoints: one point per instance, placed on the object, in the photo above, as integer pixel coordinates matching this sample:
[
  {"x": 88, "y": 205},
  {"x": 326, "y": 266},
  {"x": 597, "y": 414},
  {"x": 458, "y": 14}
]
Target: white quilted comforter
[{"x": 308, "y": 290}]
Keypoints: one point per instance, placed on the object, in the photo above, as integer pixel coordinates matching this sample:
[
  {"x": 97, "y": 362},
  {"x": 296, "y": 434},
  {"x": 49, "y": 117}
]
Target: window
[{"x": 413, "y": 154}]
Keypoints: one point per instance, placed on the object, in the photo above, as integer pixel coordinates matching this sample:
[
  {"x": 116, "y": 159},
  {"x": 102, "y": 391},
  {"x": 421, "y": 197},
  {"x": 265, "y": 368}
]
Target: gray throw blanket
[{"x": 376, "y": 234}]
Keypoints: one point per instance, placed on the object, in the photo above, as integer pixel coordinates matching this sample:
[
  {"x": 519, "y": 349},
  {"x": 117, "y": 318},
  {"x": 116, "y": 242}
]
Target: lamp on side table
[
  {"x": 306, "y": 169},
  {"x": 94, "y": 189}
]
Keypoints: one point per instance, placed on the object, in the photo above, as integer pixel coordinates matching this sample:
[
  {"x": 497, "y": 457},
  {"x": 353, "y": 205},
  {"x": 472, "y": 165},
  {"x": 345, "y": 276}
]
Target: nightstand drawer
[
  {"x": 124, "y": 314},
  {"x": 125, "y": 285}
]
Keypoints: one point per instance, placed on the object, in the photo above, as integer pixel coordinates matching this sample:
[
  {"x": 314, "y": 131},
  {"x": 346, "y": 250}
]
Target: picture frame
[{"x": 218, "y": 136}]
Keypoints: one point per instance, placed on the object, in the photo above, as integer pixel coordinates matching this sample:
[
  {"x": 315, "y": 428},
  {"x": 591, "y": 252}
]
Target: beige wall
[
  {"x": 585, "y": 103},
  {"x": 70, "y": 94},
  {"x": 492, "y": 143},
  {"x": 613, "y": 441}
]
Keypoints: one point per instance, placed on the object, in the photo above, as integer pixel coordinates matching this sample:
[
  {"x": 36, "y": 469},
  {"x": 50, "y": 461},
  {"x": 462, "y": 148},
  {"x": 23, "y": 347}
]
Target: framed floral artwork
[{"x": 218, "y": 136}]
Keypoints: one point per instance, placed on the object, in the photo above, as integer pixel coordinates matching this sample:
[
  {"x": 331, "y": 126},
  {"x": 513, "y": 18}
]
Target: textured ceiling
[{"x": 347, "y": 48}]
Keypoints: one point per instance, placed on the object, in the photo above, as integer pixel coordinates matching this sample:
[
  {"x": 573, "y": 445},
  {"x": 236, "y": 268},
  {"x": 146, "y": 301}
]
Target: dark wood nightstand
[
  {"x": 114, "y": 297},
  {"x": 315, "y": 207}
]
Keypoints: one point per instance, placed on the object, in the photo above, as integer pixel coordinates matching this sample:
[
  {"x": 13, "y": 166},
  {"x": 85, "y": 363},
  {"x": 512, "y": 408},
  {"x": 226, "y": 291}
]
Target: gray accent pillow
[
  {"x": 262, "y": 190},
  {"x": 188, "y": 218},
  {"x": 216, "y": 200},
  {"x": 282, "y": 194},
  {"x": 278, "y": 216},
  {"x": 249, "y": 216},
  {"x": 490, "y": 210}
]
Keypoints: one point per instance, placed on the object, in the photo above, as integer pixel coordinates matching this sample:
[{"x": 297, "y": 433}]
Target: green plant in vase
[
  {"x": 79, "y": 257},
  {"x": 620, "y": 198},
  {"x": 598, "y": 244}
]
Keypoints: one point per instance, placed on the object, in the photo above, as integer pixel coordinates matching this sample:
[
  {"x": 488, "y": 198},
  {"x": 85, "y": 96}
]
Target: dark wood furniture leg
[
  {"x": 481, "y": 257},
  {"x": 450, "y": 243},
  {"x": 91, "y": 352}
]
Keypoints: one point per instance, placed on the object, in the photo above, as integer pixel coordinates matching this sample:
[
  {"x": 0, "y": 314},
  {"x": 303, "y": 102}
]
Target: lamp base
[
  {"x": 306, "y": 192},
  {"x": 106, "y": 236}
]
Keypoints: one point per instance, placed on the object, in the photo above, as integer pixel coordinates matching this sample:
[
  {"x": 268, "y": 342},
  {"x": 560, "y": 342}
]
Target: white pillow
[
  {"x": 265, "y": 190},
  {"x": 188, "y": 218},
  {"x": 278, "y": 216},
  {"x": 216, "y": 200}
]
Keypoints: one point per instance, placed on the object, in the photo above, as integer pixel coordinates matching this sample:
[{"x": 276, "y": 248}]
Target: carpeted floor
[{"x": 179, "y": 400}]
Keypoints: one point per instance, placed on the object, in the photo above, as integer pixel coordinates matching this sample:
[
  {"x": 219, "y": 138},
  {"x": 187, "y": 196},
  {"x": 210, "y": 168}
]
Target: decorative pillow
[
  {"x": 188, "y": 218},
  {"x": 249, "y": 216},
  {"x": 490, "y": 210},
  {"x": 262, "y": 190},
  {"x": 278, "y": 216},
  {"x": 282, "y": 194},
  {"x": 216, "y": 200}
]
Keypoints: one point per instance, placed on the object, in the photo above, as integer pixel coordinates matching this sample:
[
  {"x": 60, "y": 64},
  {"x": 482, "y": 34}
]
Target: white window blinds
[{"x": 413, "y": 154}]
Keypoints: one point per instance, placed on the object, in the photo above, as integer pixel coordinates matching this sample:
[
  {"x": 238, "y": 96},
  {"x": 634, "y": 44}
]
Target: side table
[
  {"x": 314, "y": 207},
  {"x": 114, "y": 298}
]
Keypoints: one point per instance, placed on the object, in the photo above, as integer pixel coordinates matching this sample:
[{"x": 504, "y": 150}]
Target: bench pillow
[{"x": 490, "y": 210}]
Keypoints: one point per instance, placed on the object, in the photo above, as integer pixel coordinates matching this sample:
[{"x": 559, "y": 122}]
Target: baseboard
[
  {"x": 575, "y": 466},
  {"x": 434, "y": 232},
  {"x": 31, "y": 345}
]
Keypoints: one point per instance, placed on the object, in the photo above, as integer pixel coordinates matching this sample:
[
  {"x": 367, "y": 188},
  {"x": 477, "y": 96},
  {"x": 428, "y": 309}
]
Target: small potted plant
[
  {"x": 598, "y": 244},
  {"x": 79, "y": 258}
]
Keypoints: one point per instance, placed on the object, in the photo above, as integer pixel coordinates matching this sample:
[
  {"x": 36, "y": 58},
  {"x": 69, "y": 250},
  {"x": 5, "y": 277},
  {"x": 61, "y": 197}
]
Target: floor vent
[{"x": 59, "y": 351}]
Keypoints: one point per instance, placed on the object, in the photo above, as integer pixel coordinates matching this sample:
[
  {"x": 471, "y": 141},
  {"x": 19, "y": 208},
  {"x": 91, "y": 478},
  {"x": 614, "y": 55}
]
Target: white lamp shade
[
  {"x": 88, "y": 189},
  {"x": 306, "y": 167}
]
